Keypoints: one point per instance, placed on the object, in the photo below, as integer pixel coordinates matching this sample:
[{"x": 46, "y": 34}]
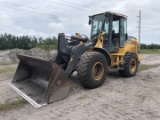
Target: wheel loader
[{"x": 109, "y": 47}]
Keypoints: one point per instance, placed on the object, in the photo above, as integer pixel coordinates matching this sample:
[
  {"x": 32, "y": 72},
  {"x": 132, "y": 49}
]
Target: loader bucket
[{"x": 40, "y": 82}]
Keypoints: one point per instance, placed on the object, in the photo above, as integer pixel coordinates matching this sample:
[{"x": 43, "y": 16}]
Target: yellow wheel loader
[{"x": 109, "y": 47}]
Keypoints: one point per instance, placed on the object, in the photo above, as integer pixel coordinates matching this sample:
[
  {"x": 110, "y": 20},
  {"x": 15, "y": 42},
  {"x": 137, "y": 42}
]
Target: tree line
[
  {"x": 9, "y": 41},
  {"x": 150, "y": 46}
]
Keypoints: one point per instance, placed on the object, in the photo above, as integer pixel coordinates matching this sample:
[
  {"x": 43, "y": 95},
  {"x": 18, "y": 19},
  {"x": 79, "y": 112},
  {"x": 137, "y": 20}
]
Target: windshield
[{"x": 99, "y": 22}]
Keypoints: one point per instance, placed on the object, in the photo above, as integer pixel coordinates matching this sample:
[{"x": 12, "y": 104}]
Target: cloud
[
  {"x": 56, "y": 27},
  {"x": 48, "y": 18}
]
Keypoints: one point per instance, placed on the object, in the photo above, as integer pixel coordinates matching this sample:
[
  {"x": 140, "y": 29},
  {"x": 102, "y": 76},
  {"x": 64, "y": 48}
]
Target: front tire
[{"x": 92, "y": 69}]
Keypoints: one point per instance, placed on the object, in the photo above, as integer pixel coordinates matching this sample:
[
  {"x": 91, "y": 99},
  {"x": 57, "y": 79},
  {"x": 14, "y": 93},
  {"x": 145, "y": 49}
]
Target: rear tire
[
  {"x": 92, "y": 69},
  {"x": 130, "y": 65}
]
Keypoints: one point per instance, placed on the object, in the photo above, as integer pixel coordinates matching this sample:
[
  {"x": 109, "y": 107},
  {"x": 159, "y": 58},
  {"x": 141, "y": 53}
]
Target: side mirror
[
  {"x": 126, "y": 36},
  {"x": 90, "y": 20}
]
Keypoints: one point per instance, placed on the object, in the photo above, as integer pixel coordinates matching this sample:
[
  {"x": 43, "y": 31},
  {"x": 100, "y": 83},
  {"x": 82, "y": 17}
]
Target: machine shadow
[{"x": 112, "y": 74}]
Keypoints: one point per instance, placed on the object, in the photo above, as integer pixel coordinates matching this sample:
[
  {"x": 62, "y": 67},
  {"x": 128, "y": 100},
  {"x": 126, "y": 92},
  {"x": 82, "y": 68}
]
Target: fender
[{"x": 104, "y": 52}]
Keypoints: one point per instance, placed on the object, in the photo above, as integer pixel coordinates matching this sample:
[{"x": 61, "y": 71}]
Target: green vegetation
[
  {"x": 7, "y": 69},
  {"x": 47, "y": 44},
  {"x": 150, "y": 51},
  {"x": 8, "y": 41},
  {"x": 150, "y": 46},
  {"x": 12, "y": 105},
  {"x": 7, "y": 63},
  {"x": 143, "y": 67}
]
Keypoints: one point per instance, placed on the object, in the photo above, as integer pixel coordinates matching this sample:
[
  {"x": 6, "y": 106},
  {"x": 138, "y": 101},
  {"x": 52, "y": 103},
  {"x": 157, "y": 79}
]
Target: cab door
[{"x": 123, "y": 31}]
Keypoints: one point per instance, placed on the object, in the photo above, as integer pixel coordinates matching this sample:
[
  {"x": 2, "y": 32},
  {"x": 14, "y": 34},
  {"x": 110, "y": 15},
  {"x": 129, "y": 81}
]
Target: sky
[{"x": 47, "y": 18}]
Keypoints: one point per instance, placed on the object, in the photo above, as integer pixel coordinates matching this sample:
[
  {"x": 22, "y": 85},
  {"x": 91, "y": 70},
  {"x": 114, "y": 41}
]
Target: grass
[
  {"x": 143, "y": 67},
  {"x": 12, "y": 105},
  {"x": 150, "y": 51},
  {"x": 7, "y": 69},
  {"x": 7, "y": 63}
]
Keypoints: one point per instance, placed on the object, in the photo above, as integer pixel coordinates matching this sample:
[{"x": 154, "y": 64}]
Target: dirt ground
[{"x": 136, "y": 98}]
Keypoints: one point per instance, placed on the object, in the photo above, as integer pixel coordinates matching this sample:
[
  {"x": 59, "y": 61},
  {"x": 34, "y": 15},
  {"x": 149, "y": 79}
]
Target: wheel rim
[
  {"x": 133, "y": 65},
  {"x": 97, "y": 71}
]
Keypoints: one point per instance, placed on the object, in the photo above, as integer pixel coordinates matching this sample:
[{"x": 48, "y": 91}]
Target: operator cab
[{"x": 115, "y": 27}]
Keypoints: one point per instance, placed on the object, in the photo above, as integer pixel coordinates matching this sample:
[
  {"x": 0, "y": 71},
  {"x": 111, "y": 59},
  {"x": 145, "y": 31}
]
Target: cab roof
[{"x": 113, "y": 13}]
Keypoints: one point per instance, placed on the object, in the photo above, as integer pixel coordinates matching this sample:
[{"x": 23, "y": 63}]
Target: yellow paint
[
  {"x": 78, "y": 35},
  {"x": 117, "y": 58},
  {"x": 81, "y": 43},
  {"x": 99, "y": 43},
  {"x": 133, "y": 65},
  {"x": 139, "y": 57},
  {"x": 97, "y": 71}
]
